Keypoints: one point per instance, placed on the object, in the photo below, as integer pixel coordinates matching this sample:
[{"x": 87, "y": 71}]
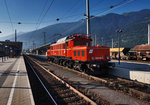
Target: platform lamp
[
  {"x": 119, "y": 32},
  {"x": 16, "y": 32},
  {"x": 2, "y": 56}
]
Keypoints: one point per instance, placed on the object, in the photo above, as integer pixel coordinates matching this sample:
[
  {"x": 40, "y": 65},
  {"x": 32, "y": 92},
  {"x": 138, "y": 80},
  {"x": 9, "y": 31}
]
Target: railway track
[
  {"x": 59, "y": 91},
  {"x": 133, "y": 88}
]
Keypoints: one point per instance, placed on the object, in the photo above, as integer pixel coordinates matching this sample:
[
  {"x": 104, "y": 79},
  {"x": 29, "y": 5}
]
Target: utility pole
[
  {"x": 15, "y": 35},
  {"x": 88, "y": 17},
  {"x": 44, "y": 38},
  {"x": 119, "y": 31},
  {"x": 112, "y": 43},
  {"x": 148, "y": 34},
  {"x": 102, "y": 40},
  {"x": 95, "y": 39},
  {"x": 33, "y": 44}
]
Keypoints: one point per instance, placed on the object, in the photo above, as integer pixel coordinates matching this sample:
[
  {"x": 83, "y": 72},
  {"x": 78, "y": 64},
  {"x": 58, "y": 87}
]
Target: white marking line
[{"x": 14, "y": 83}]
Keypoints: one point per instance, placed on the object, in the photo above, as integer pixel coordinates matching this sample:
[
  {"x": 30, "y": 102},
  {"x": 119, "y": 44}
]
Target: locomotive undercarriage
[{"x": 92, "y": 67}]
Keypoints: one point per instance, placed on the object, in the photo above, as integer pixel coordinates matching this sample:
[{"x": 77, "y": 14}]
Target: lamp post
[
  {"x": 2, "y": 55},
  {"x": 16, "y": 33},
  {"x": 119, "y": 31}
]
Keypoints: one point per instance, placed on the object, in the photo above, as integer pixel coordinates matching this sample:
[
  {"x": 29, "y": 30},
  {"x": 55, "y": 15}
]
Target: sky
[{"x": 36, "y": 14}]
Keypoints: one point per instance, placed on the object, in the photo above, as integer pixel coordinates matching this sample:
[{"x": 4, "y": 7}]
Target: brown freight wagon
[{"x": 142, "y": 52}]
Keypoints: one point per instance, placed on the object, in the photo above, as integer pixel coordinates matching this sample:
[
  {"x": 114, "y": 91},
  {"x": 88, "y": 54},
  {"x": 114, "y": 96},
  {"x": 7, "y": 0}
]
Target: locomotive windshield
[
  {"x": 77, "y": 43},
  {"x": 81, "y": 43}
]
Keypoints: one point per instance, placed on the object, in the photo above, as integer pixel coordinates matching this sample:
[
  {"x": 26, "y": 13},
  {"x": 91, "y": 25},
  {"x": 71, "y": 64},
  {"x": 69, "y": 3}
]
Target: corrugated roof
[{"x": 144, "y": 47}]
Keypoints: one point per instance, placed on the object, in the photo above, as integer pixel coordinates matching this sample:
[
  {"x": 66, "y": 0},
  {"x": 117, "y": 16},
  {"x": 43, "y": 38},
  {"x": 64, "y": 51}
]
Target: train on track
[
  {"x": 75, "y": 51},
  {"x": 139, "y": 52}
]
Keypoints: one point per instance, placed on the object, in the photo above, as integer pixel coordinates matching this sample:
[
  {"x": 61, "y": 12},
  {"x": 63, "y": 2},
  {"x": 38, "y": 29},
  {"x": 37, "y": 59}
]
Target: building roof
[
  {"x": 10, "y": 43},
  {"x": 144, "y": 47}
]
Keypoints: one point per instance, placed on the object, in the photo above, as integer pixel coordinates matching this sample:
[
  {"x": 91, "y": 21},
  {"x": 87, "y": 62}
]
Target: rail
[
  {"x": 41, "y": 83},
  {"x": 66, "y": 84}
]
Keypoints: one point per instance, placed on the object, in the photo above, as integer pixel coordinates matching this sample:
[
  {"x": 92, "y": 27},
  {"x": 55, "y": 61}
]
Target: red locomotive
[{"x": 75, "y": 51}]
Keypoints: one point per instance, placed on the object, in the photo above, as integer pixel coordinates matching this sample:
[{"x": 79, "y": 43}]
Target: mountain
[{"x": 133, "y": 24}]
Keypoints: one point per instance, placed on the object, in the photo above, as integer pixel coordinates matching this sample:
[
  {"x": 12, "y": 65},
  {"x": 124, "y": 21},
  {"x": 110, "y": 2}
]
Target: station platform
[
  {"x": 15, "y": 88},
  {"x": 132, "y": 70}
]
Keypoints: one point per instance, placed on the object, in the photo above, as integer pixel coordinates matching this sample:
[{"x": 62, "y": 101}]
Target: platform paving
[
  {"x": 132, "y": 70},
  {"x": 14, "y": 83}
]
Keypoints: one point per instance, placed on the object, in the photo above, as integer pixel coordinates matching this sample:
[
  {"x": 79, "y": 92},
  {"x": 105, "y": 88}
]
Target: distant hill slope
[{"x": 133, "y": 24}]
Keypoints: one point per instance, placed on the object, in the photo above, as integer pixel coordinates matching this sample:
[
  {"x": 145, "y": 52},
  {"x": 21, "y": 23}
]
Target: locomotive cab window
[
  {"x": 77, "y": 43},
  {"x": 86, "y": 43},
  {"x": 83, "y": 53},
  {"x": 78, "y": 53}
]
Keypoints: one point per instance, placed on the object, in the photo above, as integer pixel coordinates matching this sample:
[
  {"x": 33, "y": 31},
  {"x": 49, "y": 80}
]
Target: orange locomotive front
[{"x": 75, "y": 51}]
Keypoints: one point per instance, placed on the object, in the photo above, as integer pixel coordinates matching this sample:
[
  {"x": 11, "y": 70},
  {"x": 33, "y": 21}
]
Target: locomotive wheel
[
  {"x": 61, "y": 62},
  {"x": 70, "y": 64},
  {"x": 64, "y": 63},
  {"x": 75, "y": 66}
]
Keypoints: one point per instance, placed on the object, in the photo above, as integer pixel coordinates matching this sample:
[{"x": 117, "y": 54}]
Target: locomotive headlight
[
  {"x": 92, "y": 58},
  {"x": 107, "y": 57}
]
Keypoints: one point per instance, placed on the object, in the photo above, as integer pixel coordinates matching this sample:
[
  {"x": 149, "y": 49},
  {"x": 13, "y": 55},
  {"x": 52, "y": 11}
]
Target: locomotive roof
[
  {"x": 68, "y": 38},
  {"x": 62, "y": 40}
]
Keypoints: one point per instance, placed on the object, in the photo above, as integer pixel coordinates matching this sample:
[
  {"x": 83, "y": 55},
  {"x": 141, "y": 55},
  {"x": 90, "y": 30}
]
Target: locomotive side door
[{"x": 66, "y": 49}]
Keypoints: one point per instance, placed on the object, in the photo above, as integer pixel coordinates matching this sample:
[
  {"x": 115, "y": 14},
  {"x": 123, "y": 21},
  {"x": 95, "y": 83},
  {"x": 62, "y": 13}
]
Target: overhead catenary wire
[
  {"x": 116, "y": 6},
  {"x": 44, "y": 6},
  {"x": 108, "y": 9},
  {"x": 51, "y": 3},
  {"x": 5, "y": 2},
  {"x": 104, "y": 11},
  {"x": 15, "y": 22},
  {"x": 75, "y": 15},
  {"x": 70, "y": 9}
]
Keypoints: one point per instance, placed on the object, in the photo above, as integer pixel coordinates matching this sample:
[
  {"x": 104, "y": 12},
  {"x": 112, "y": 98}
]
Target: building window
[
  {"x": 78, "y": 53},
  {"x": 74, "y": 53},
  {"x": 83, "y": 53}
]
